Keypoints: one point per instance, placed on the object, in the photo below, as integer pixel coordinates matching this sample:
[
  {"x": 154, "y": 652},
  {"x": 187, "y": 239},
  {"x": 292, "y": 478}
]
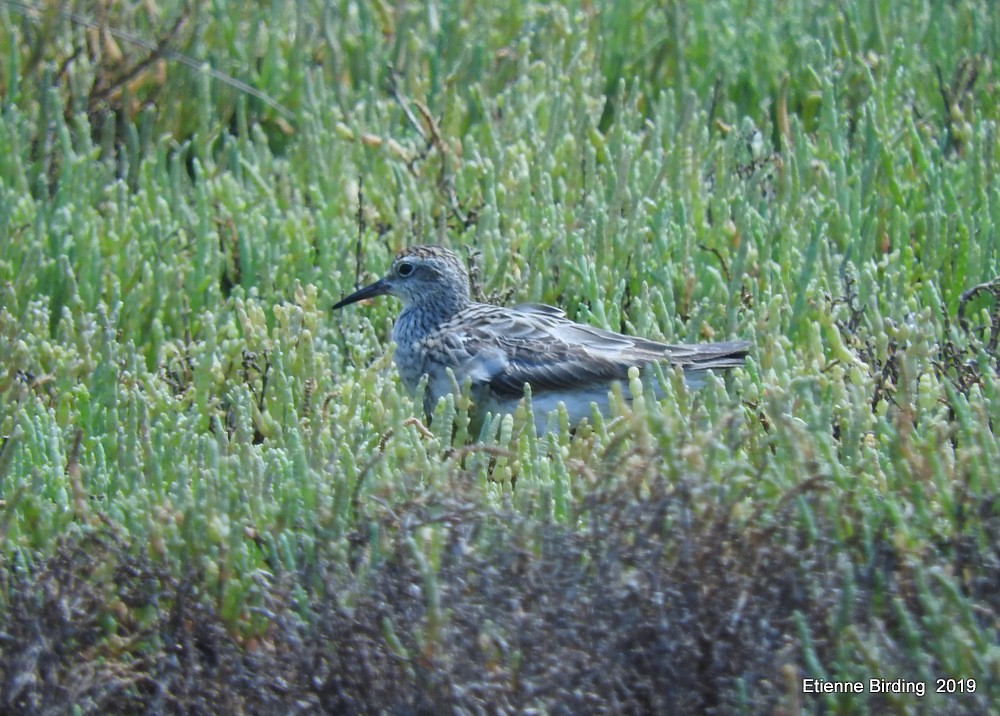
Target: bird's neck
[{"x": 419, "y": 319}]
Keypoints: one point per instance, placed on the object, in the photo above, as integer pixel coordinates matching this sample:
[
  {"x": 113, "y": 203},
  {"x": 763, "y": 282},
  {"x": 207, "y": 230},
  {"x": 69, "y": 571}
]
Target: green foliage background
[{"x": 818, "y": 178}]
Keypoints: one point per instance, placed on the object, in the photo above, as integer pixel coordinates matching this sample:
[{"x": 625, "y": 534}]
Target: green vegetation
[{"x": 214, "y": 494}]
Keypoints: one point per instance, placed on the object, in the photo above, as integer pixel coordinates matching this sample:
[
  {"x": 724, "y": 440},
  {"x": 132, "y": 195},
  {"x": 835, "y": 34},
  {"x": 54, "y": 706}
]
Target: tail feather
[{"x": 708, "y": 356}]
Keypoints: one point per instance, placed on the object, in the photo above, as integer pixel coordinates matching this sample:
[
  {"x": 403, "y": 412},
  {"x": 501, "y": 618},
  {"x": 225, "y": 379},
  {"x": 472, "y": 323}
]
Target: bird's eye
[{"x": 405, "y": 269}]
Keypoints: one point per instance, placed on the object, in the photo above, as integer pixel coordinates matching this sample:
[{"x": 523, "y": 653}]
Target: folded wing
[{"x": 538, "y": 345}]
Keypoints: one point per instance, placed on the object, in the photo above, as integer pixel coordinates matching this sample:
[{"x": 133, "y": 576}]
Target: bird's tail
[{"x": 700, "y": 357}]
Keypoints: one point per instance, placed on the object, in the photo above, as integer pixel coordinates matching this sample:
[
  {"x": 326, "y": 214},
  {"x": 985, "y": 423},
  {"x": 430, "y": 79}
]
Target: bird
[{"x": 501, "y": 349}]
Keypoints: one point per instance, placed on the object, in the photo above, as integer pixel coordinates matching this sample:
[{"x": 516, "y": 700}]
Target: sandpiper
[{"x": 501, "y": 349}]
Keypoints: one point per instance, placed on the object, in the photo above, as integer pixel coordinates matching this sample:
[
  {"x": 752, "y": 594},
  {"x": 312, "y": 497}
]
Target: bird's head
[{"x": 422, "y": 275}]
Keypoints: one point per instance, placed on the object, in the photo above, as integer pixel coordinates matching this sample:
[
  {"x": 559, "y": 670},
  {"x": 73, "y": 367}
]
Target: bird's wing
[
  {"x": 540, "y": 308},
  {"x": 504, "y": 348},
  {"x": 535, "y": 344}
]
